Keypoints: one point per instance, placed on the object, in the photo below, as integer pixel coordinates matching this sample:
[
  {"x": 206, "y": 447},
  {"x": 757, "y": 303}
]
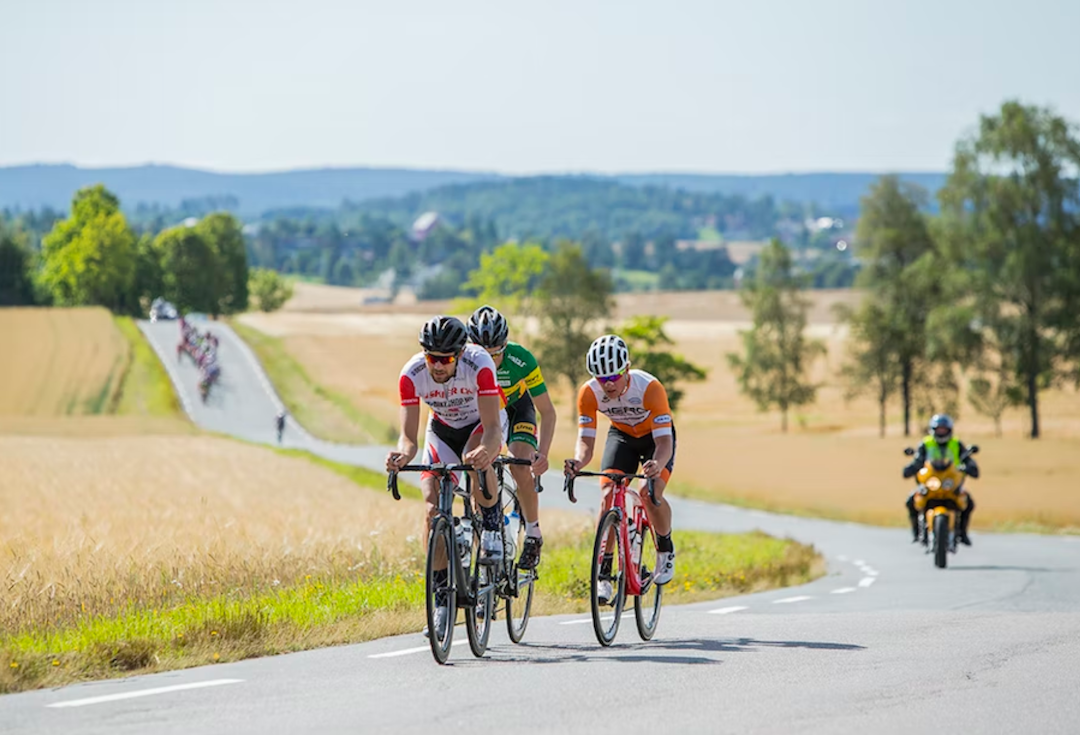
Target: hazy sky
[{"x": 551, "y": 86}]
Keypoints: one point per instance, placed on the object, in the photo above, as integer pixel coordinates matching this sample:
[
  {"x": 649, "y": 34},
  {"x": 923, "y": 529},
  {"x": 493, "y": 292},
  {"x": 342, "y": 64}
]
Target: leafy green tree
[
  {"x": 149, "y": 279},
  {"x": 506, "y": 278},
  {"x": 776, "y": 353},
  {"x": 89, "y": 258},
  {"x": 632, "y": 252},
  {"x": 650, "y": 351},
  {"x": 188, "y": 266},
  {"x": 16, "y": 284},
  {"x": 572, "y": 299},
  {"x": 222, "y": 231},
  {"x": 871, "y": 366},
  {"x": 1011, "y": 226},
  {"x": 269, "y": 289}
]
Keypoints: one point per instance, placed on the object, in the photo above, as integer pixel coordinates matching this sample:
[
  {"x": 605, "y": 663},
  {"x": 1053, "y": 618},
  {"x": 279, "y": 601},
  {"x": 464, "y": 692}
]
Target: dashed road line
[
  {"x": 589, "y": 620},
  {"x": 143, "y": 693},
  {"x": 727, "y": 610},
  {"x": 407, "y": 651},
  {"x": 843, "y": 590},
  {"x": 866, "y": 581},
  {"x": 798, "y": 598}
]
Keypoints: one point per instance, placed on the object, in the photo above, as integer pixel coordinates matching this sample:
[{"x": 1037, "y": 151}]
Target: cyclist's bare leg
[
  {"x": 607, "y": 499},
  {"x": 659, "y": 516},
  {"x": 530, "y": 502},
  {"x": 492, "y": 488},
  {"x": 429, "y": 486}
]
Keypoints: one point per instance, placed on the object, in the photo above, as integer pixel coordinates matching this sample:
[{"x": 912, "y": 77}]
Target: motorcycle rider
[{"x": 941, "y": 444}]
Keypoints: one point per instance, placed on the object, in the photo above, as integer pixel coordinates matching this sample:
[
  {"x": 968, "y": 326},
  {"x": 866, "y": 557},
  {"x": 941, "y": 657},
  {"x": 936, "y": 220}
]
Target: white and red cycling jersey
[{"x": 454, "y": 402}]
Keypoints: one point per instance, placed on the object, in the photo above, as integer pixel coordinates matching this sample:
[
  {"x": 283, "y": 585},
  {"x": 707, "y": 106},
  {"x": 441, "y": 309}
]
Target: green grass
[
  {"x": 323, "y": 412},
  {"x": 145, "y": 389},
  {"x": 709, "y": 234},
  {"x": 637, "y": 280},
  {"x": 266, "y": 620}
]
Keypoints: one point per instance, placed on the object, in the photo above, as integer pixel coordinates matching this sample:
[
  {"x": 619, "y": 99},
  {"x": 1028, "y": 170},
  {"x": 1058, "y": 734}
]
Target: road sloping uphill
[{"x": 884, "y": 643}]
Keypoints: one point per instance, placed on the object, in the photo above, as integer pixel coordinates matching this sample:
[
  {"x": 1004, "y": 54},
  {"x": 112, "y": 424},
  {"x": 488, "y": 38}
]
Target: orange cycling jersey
[{"x": 642, "y": 408}]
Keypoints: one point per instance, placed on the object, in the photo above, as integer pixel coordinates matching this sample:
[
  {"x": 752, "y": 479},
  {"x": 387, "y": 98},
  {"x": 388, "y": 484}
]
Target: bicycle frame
[{"x": 636, "y": 516}]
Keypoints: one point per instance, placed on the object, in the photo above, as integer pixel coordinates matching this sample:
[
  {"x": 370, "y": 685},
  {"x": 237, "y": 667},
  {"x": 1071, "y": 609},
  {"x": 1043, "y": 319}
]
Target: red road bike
[{"x": 626, "y": 537}]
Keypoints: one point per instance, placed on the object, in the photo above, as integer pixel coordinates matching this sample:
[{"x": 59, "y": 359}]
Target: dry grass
[
  {"x": 92, "y": 526},
  {"x": 69, "y": 361},
  {"x": 832, "y": 463}
]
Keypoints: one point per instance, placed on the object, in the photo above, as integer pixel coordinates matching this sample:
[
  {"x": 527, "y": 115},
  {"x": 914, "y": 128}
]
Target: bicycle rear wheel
[
  {"x": 606, "y": 616},
  {"x": 647, "y": 604},
  {"x": 440, "y": 594},
  {"x": 517, "y": 608},
  {"x": 479, "y": 613}
]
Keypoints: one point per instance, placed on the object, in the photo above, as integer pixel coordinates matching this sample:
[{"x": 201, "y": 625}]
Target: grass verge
[
  {"x": 263, "y": 617},
  {"x": 325, "y": 413},
  {"x": 145, "y": 388}
]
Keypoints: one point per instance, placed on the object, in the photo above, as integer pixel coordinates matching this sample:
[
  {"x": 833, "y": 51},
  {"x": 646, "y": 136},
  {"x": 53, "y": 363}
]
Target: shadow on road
[{"x": 658, "y": 652}]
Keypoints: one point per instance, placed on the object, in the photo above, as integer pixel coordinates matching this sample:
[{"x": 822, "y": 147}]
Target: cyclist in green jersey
[{"x": 520, "y": 379}]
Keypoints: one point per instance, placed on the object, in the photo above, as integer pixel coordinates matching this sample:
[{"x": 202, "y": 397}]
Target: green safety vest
[{"x": 934, "y": 451}]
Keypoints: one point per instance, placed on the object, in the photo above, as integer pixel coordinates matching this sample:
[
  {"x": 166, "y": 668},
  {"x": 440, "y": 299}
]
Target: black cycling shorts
[
  {"x": 521, "y": 422},
  {"x": 626, "y": 453}
]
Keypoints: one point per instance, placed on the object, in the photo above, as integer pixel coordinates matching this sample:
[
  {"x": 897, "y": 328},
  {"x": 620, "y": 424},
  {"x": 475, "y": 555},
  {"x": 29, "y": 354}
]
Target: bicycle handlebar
[
  {"x": 618, "y": 477},
  {"x": 523, "y": 463},
  {"x": 442, "y": 469}
]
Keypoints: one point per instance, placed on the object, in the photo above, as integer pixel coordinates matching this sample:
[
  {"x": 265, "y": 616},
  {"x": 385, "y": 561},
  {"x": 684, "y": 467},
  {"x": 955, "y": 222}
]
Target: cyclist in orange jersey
[{"x": 641, "y": 432}]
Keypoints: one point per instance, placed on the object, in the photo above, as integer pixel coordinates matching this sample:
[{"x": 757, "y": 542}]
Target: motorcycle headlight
[{"x": 933, "y": 483}]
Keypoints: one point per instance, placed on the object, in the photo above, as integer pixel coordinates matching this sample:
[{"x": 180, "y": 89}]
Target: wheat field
[{"x": 830, "y": 463}]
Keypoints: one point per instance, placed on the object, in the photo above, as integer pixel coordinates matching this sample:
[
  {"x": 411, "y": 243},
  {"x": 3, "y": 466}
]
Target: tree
[
  {"x": 222, "y": 232},
  {"x": 649, "y": 351},
  {"x": 571, "y": 299},
  {"x": 632, "y": 251},
  {"x": 149, "y": 279},
  {"x": 89, "y": 258},
  {"x": 872, "y": 365},
  {"x": 901, "y": 275},
  {"x": 16, "y": 284},
  {"x": 1011, "y": 209},
  {"x": 776, "y": 354},
  {"x": 507, "y": 278},
  {"x": 269, "y": 289},
  {"x": 188, "y": 266}
]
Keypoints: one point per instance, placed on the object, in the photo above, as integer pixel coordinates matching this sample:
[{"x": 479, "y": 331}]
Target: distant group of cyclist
[
  {"x": 485, "y": 391},
  {"x": 202, "y": 347}
]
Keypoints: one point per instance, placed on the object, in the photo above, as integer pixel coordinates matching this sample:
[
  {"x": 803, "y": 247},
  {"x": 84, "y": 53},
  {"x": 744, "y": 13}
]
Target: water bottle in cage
[
  {"x": 635, "y": 541},
  {"x": 510, "y": 529},
  {"x": 464, "y": 540}
]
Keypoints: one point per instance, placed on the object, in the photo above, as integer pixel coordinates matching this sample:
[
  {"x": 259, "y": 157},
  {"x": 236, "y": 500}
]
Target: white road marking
[
  {"x": 589, "y": 620},
  {"x": 800, "y": 598},
  {"x": 143, "y": 693},
  {"x": 727, "y": 610},
  {"x": 843, "y": 590},
  {"x": 407, "y": 651},
  {"x": 866, "y": 581}
]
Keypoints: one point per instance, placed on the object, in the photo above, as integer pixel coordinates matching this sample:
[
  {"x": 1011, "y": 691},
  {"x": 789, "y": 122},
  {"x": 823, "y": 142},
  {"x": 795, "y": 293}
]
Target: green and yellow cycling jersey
[{"x": 518, "y": 373}]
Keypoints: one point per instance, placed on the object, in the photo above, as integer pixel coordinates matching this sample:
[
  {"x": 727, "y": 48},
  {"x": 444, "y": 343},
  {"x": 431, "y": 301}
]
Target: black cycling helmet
[
  {"x": 444, "y": 334},
  {"x": 487, "y": 327},
  {"x": 941, "y": 428}
]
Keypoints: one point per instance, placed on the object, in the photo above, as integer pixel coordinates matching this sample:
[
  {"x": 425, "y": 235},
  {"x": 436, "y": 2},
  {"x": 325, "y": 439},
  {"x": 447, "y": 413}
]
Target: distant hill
[{"x": 36, "y": 186}]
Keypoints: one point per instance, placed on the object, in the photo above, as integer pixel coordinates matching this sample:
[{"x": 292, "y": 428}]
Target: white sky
[{"x": 552, "y": 86}]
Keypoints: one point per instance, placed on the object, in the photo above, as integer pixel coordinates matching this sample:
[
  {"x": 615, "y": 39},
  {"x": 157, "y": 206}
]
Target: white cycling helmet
[{"x": 607, "y": 356}]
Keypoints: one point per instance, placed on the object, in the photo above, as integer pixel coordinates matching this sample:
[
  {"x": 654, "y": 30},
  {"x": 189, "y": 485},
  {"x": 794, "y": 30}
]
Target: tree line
[{"x": 93, "y": 257}]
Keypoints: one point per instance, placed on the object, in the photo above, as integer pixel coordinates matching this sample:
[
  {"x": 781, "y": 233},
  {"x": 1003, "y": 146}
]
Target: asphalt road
[{"x": 884, "y": 643}]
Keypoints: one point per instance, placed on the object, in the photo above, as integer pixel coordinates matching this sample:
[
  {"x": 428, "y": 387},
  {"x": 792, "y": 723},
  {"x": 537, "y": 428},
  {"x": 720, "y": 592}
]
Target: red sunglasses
[
  {"x": 611, "y": 378},
  {"x": 440, "y": 359}
]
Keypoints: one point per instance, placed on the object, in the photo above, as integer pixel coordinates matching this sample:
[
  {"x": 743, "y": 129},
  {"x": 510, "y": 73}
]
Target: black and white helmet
[
  {"x": 444, "y": 334},
  {"x": 487, "y": 327},
  {"x": 941, "y": 427},
  {"x": 607, "y": 356}
]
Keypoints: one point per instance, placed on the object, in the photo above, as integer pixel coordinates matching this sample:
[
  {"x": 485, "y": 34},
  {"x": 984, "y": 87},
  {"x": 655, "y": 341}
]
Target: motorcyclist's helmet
[
  {"x": 488, "y": 328},
  {"x": 607, "y": 356},
  {"x": 445, "y": 334},
  {"x": 941, "y": 428}
]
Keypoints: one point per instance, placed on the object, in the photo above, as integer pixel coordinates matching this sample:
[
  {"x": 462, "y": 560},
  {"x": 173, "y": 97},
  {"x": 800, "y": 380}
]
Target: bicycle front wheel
[
  {"x": 647, "y": 604},
  {"x": 519, "y": 581},
  {"x": 440, "y": 594},
  {"x": 608, "y": 578},
  {"x": 481, "y": 610}
]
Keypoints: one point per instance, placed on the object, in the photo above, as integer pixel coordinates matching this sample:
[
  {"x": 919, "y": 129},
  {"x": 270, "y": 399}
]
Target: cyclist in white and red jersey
[
  {"x": 641, "y": 432},
  {"x": 457, "y": 381}
]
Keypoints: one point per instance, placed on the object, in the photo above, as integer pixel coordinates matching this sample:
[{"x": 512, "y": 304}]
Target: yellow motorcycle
[{"x": 940, "y": 500}]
